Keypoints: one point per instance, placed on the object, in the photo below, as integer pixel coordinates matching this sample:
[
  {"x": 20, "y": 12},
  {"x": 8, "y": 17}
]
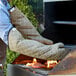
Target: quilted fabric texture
[
  {"x": 34, "y": 48},
  {"x": 26, "y": 40},
  {"x": 22, "y": 23}
]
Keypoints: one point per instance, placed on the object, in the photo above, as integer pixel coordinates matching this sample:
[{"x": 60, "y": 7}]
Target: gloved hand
[
  {"x": 25, "y": 27},
  {"x": 34, "y": 48},
  {"x": 57, "y": 52}
]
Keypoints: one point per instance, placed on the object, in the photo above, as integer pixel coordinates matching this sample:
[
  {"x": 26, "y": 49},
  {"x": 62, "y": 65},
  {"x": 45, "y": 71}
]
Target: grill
[{"x": 65, "y": 66}]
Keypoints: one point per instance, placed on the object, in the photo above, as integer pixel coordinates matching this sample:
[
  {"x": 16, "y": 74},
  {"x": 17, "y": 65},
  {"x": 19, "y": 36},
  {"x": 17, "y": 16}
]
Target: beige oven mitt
[
  {"x": 34, "y": 48},
  {"x": 22, "y": 23}
]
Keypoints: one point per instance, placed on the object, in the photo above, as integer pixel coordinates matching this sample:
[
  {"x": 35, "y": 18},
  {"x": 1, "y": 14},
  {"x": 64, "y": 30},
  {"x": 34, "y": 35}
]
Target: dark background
[
  {"x": 60, "y": 11},
  {"x": 37, "y": 9}
]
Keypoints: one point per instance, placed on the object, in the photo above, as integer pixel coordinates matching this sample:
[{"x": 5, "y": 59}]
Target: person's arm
[
  {"x": 26, "y": 28},
  {"x": 33, "y": 48},
  {"x": 26, "y": 40}
]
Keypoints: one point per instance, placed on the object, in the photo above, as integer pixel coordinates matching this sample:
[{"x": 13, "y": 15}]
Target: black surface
[
  {"x": 15, "y": 70},
  {"x": 60, "y": 11}
]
